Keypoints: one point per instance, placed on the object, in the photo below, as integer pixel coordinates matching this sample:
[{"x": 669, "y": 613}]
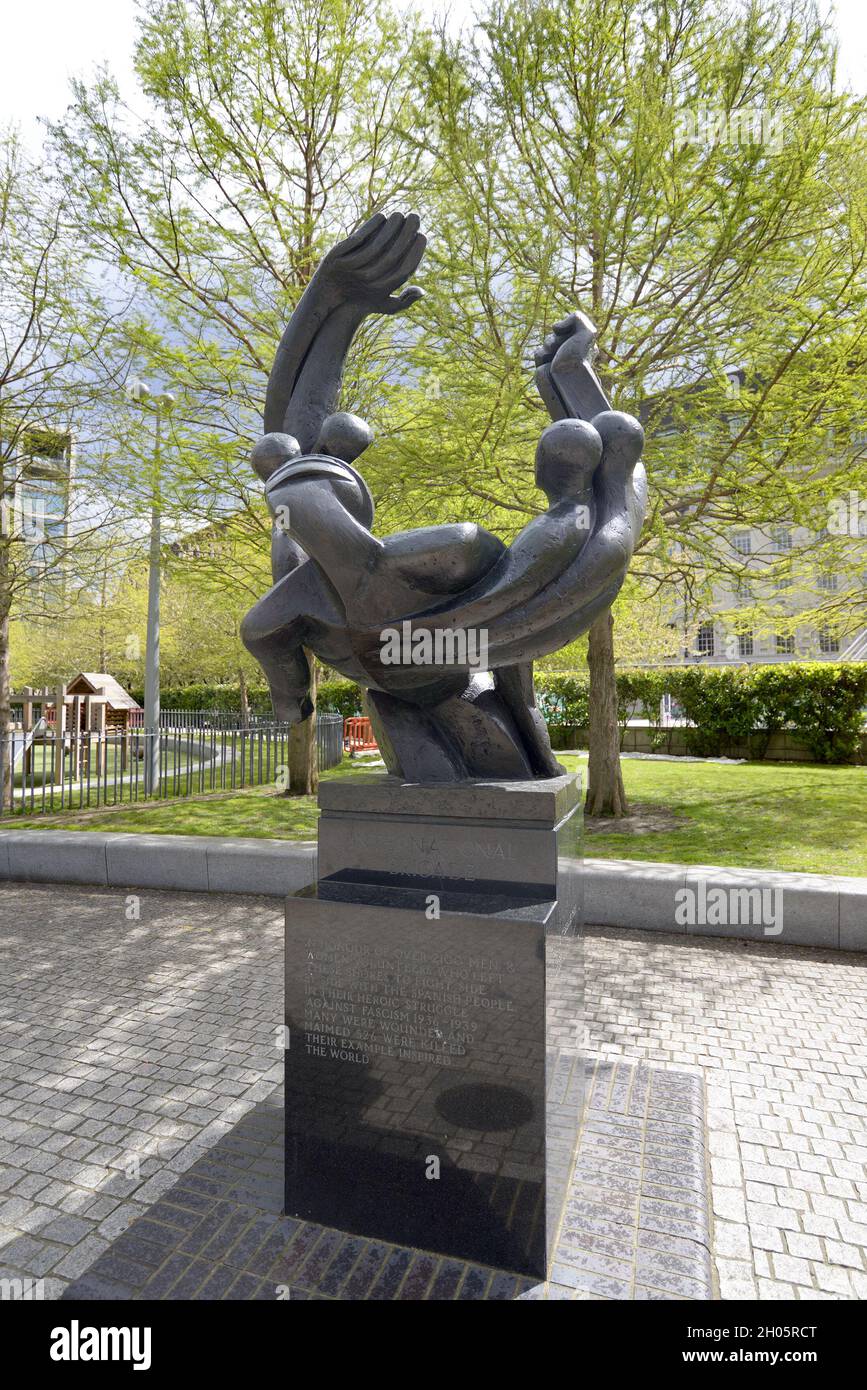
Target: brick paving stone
[
  {"x": 341, "y": 1265},
  {"x": 244, "y": 1288},
  {"x": 446, "y": 1281},
  {"x": 391, "y": 1275},
  {"x": 69, "y": 1230},
  {"x": 218, "y": 1283},
  {"x": 133, "y": 1054},
  {"x": 785, "y": 1074},
  {"x": 367, "y": 1269},
  {"x": 199, "y": 1236}
]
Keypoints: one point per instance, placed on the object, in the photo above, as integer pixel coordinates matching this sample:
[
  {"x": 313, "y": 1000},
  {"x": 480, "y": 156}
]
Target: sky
[{"x": 46, "y": 43}]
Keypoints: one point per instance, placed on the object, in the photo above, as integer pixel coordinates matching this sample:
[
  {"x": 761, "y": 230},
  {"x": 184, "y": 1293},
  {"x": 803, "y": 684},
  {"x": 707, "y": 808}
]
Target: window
[
  {"x": 785, "y": 645},
  {"x": 828, "y": 583},
  {"x": 743, "y": 592},
  {"x": 742, "y": 542},
  {"x": 783, "y": 582},
  {"x": 705, "y": 645},
  {"x": 781, "y": 539},
  {"x": 745, "y": 644},
  {"x": 828, "y": 643}
]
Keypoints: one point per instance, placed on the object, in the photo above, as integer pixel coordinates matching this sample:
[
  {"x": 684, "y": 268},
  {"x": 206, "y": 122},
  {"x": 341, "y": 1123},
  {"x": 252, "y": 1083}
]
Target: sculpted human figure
[{"x": 338, "y": 587}]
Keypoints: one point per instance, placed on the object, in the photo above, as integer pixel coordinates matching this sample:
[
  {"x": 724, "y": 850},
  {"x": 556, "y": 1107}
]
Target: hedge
[
  {"x": 338, "y": 697},
  {"x": 207, "y": 696},
  {"x": 820, "y": 702},
  {"x": 563, "y": 700}
]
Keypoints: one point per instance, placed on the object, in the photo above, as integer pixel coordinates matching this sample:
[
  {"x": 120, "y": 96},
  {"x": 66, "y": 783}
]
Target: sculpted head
[
  {"x": 344, "y": 436},
  {"x": 271, "y": 451},
  {"x": 567, "y": 456},
  {"x": 279, "y": 462},
  {"x": 622, "y": 437}
]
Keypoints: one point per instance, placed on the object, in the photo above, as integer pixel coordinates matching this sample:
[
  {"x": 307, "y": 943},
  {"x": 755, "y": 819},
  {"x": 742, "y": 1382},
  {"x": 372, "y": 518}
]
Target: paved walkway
[
  {"x": 780, "y": 1036},
  {"x": 635, "y": 1226},
  {"x": 137, "y": 1036},
  {"x": 134, "y": 1034}
]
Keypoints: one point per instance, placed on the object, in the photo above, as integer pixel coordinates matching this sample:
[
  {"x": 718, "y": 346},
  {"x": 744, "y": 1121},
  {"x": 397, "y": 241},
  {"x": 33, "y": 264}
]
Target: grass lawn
[
  {"x": 260, "y": 811},
  {"x": 796, "y": 816},
  {"x": 754, "y": 815}
]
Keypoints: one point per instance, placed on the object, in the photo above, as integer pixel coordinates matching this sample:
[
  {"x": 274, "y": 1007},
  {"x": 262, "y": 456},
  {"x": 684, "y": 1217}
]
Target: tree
[
  {"x": 104, "y": 623},
  {"x": 688, "y": 176},
  {"x": 54, "y": 372},
  {"x": 96, "y": 622},
  {"x": 273, "y": 127}
]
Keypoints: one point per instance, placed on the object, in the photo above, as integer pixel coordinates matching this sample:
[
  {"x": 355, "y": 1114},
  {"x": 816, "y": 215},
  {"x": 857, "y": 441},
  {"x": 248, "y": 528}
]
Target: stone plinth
[{"x": 431, "y": 1097}]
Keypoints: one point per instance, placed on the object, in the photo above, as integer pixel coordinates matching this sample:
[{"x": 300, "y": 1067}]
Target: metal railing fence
[{"x": 43, "y": 772}]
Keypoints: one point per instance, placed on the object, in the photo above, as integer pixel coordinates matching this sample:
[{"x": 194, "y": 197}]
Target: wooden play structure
[{"x": 93, "y": 702}]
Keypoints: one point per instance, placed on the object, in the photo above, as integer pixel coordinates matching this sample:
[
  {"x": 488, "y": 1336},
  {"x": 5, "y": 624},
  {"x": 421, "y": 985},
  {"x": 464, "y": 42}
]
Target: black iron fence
[
  {"x": 208, "y": 719},
  {"x": 43, "y": 772}
]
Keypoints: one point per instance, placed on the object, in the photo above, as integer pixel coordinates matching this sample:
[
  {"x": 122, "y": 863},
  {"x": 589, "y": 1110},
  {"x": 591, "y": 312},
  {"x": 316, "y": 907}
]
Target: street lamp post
[{"x": 160, "y": 403}]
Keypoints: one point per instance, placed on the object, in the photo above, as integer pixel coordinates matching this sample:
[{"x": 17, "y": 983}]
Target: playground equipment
[
  {"x": 22, "y": 742},
  {"x": 91, "y": 703}
]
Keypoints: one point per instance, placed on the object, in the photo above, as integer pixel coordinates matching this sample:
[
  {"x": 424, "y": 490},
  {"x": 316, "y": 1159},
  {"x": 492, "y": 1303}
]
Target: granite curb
[{"x": 823, "y": 910}]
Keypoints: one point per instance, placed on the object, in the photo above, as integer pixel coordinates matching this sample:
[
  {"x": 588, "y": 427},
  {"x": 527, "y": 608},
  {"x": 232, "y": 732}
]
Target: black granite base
[
  {"x": 415, "y": 1077},
  {"x": 423, "y": 1105}
]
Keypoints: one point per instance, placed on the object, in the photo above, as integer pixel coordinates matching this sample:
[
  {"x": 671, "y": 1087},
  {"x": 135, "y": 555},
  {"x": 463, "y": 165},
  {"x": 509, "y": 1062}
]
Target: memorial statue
[{"x": 441, "y": 625}]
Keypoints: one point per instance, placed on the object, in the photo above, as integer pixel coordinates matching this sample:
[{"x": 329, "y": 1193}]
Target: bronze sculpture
[{"x": 338, "y": 589}]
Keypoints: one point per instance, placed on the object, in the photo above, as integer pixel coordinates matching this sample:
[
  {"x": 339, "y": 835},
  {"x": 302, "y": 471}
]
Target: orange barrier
[{"x": 358, "y": 735}]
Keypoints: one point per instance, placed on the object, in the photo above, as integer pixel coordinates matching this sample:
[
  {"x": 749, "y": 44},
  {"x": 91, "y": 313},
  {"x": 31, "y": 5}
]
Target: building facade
[{"x": 38, "y": 481}]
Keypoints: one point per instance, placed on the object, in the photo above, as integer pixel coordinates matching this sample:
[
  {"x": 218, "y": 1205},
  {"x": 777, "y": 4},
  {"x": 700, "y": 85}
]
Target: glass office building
[{"x": 36, "y": 502}]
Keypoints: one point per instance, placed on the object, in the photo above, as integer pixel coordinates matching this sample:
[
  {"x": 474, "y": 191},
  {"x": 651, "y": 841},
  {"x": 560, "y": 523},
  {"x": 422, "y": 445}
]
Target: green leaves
[{"x": 821, "y": 703}]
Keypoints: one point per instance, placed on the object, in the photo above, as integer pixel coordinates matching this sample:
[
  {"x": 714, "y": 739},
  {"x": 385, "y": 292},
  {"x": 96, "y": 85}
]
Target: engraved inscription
[
  {"x": 459, "y": 858},
  {"x": 416, "y": 1005}
]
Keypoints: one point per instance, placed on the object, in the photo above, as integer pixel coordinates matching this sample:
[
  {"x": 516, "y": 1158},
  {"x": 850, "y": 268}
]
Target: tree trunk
[
  {"x": 605, "y": 793},
  {"x": 245, "y": 703},
  {"x": 303, "y": 754},
  {"x": 5, "y": 716}
]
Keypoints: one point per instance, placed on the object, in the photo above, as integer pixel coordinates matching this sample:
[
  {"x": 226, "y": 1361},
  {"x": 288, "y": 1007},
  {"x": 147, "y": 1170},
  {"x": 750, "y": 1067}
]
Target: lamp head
[{"x": 138, "y": 390}]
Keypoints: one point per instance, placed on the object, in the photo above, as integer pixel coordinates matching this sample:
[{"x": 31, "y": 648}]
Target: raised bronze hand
[
  {"x": 565, "y": 378},
  {"x": 357, "y": 277},
  {"x": 366, "y": 267}
]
